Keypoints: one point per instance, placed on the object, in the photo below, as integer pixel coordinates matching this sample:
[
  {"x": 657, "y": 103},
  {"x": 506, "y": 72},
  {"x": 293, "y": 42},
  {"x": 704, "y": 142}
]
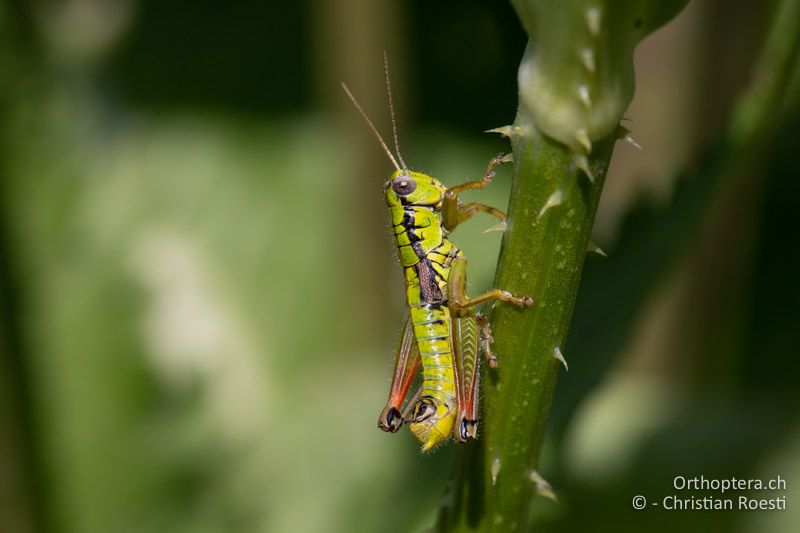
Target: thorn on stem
[
  {"x": 543, "y": 488},
  {"x": 582, "y": 163},
  {"x": 593, "y": 20},
  {"x": 500, "y": 226},
  {"x": 558, "y": 355},
  {"x": 495, "y": 470},
  {"x": 583, "y": 138},
  {"x": 587, "y": 58},
  {"x": 592, "y": 246},
  {"x": 632, "y": 141},
  {"x": 583, "y": 94},
  {"x": 505, "y": 131},
  {"x": 555, "y": 199}
]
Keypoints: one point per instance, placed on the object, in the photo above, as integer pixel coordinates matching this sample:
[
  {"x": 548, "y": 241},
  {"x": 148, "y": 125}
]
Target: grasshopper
[{"x": 443, "y": 331}]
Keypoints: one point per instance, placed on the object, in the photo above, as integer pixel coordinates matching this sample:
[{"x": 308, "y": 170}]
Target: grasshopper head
[
  {"x": 406, "y": 187},
  {"x": 431, "y": 422}
]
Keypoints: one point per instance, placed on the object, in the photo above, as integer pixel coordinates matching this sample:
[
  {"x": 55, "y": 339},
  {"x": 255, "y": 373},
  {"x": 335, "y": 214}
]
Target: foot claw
[{"x": 521, "y": 301}]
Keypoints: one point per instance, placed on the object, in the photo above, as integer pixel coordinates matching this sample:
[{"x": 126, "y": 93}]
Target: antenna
[
  {"x": 371, "y": 126},
  {"x": 391, "y": 108}
]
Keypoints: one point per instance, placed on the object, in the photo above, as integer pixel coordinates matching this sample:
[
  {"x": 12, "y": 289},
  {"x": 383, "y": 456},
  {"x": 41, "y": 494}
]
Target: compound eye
[{"x": 404, "y": 185}]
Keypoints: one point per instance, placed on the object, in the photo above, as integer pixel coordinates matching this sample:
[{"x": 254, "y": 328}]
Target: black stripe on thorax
[{"x": 408, "y": 215}]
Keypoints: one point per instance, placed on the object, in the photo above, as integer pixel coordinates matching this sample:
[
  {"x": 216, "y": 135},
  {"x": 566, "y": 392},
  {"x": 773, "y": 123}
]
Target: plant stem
[
  {"x": 576, "y": 80},
  {"x": 541, "y": 256}
]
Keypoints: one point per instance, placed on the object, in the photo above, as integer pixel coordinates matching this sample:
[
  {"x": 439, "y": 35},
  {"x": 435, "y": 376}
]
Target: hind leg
[{"x": 406, "y": 366}]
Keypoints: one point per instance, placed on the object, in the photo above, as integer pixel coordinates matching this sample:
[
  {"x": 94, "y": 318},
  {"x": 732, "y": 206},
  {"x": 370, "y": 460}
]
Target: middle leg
[{"x": 457, "y": 296}]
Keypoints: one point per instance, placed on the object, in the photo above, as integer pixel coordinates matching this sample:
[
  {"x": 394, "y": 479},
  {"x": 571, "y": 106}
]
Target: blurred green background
[{"x": 199, "y": 298}]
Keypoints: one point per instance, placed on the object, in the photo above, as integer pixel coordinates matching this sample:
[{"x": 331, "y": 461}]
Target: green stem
[
  {"x": 576, "y": 80},
  {"x": 541, "y": 256}
]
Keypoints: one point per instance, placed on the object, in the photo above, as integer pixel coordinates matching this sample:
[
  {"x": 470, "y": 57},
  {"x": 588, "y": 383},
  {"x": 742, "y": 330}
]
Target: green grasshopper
[{"x": 441, "y": 333}]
